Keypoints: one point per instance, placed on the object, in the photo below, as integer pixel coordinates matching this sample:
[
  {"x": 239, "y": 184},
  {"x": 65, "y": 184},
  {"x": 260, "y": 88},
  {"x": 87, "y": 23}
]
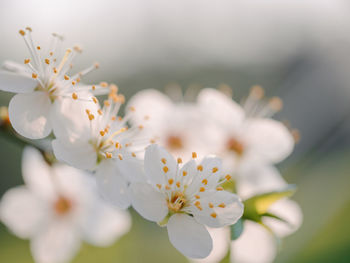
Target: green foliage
[{"x": 237, "y": 229}]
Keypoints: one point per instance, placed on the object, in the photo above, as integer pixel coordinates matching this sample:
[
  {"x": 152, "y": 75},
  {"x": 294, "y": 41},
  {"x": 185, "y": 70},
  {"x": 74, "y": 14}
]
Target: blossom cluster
[{"x": 203, "y": 168}]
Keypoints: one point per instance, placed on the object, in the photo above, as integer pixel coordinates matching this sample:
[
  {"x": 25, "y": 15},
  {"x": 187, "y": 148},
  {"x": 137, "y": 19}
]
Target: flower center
[
  {"x": 176, "y": 202},
  {"x": 234, "y": 145},
  {"x": 174, "y": 142},
  {"x": 62, "y": 206}
]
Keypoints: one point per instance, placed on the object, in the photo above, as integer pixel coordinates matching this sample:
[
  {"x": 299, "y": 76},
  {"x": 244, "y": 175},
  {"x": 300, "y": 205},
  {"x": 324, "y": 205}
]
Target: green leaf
[
  {"x": 237, "y": 229},
  {"x": 259, "y": 204}
]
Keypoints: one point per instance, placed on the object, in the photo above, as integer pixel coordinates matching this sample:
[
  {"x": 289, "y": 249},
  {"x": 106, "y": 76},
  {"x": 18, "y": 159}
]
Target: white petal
[
  {"x": 17, "y": 83},
  {"x": 58, "y": 243},
  {"x": 79, "y": 155},
  {"x": 255, "y": 245},
  {"x": 37, "y": 174},
  {"x": 112, "y": 185},
  {"x": 148, "y": 202},
  {"x": 154, "y": 165},
  {"x": 232, "y": 211},
  {"x": 132, "y": 169},
  {"x": 105, "y": 224},
  {"x": 269, "y": 138},
  {"x": 257, "y": 178},
  {"x": 189, "y": 237},
  {"x": 70, "y": 122},
  {"x": 221, "y": 242},
  {"x": 150, "y": 103},
  {"x": 222, "y": 108},
  {"x": 29, "y": 114},
  {"x": 21, "y": 211},
  {"x": 287, "y": 210}
]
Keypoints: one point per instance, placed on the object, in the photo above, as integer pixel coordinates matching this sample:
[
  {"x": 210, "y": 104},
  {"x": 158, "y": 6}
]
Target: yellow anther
[
  {"x": 215, "y": 169},
  {"x": 97, "y": 65},
  {"x": 66, "y": 77},
  {"x": 165, "y": 169},
  {"x": 73, "y": 82},
  {"x": 211, "y": 205},
  {"x": 171, "y": 181},
  {"x": 47, "y": 61},
  {"x": 163, "y": 160},
  {"x": 178, "y": 184},
  {"x": 197, "y": 203},
  {"x": 117, "y": 145},
  {"x": 34, "y": 75},
  {"x": 200, "y": 168},
  {"x": 93, "y": 87},
  {"x": 152, "y": 141},
  {"x": 132, "y": 108},
  {"x": 106, "y": 103},
  {"x": 194, "y": 155},
  {"x": 202, "y": 189},
  {"x": 128, "y": 144},
  {"x": 257, "y": 91},
  {"x": 87, "y": 111},
  {"x": 113, "y": 118},
  {"x": 91, "y": 117},
  {"x": 108, "y": 155},
  {"x": 38, "y": 47},
  {"x": 146, "y": 117},
  {"x": 205, "y": 181},
  {"x": 197, "y": 196},
  {"x": 26, "y": 61},
  {"x": 219, "y": 188},
  {"x": 29, "y": 29},
  {"x": 179, "y": 160},
  {"x": 120, "y": 157},
  {"x": 22, "y": 32},
  {"x": 99, "y": 111},
  {"x": 133, "y": 154},
  {"x": 104, "y": 84},
  {"x": 222, "y": 205},
  {"x": 213, "y": 215},
  {"x": 94, "y": 100},
  {"x": 200, "y": 208},
  {"x": 184, "y": 173},
  {"x": 167, "y": 187},
  {"x": 74, "y": 96},
  {"x": 159, "y": 186},
  {"x": 140, "y": 127},
  {"x": 51, "y": 53},
  {"x": 228, "y": 177},
  {"x": 55, "y": 70},
  {"x": 276, "y": 103},
  {"x": 120, "y": 118},
  {"x": 102, "y": 133},
  {"x": 78, "y": 80}
]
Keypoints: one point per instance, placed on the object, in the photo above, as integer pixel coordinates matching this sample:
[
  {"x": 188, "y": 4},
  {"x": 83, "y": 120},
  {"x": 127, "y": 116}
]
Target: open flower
[
  {"x": 42, "y": 84},
  {"x": 179, "y": 127},
  {"x": 96, "y": 139},
  {"x": 246, "y": 137},
  {"x": 186, "y": 198},
  {"x": 57, "y": 209}
]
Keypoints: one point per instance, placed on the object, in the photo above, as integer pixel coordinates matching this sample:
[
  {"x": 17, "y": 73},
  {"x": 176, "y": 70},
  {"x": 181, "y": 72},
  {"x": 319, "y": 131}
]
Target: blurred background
[{"x": 296, "y": 49}]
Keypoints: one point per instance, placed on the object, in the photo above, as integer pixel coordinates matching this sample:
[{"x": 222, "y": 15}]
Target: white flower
[
  {"x": 57, "y": 209},
  {"x": 42, "y": 85},
  {"x": 189, "y": 197},
  {"x": 246, "y": 137},
  {"x": 96, "y": 139},
  {"x": 179, "y": 127}
]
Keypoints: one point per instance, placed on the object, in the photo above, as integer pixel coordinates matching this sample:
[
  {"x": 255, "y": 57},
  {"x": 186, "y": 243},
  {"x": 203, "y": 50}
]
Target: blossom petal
[
  {"x": 57, "y": 243},
  {"x": 219, "y": 209},
  {"x": 105, "y": 224},
  {"x": 255, "y": 245},
  {"x": 21, "y": 211},
  {"x": 269, "y": 138},
  {"x": 112, "y": 185},
  {"x": 189, "y": 237},
  {"x": 221, "y": 241},
  {"x": 79, "y": 155},
  {"x": 288, "y": 210},
  {"x": 154, "y": 165},
  {"x": 13, "y": 82},
  {"x": 37, "y": 173},
  {"x": 148, "y": 202},
  {"x": 132, "y": 169},
  {"x": 29, "y": 114},
  {"x": 222, "y": 108}
]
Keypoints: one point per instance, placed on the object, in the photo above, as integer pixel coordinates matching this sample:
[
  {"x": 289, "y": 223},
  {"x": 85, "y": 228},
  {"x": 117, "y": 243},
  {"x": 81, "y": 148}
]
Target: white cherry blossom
[
  {"x": 177, "y": 126},
  {"x": 96, "y": 139},
  {"x": 57, "y": 209},
  {"x": 42, "y": 84},
  {"x": 186, "y": 198}
]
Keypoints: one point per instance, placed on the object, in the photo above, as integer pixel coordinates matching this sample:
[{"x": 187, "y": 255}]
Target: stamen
[
  {"x": 184, "y": 173},
  {"x": 219, "y": 188},
  {"x": 200, "y": 168},
  {"x": 99, "y": 111},
  {"x": 159, "y": 186},
  {"x": 133, "y": 154},
  {"x": 179, "y": 160},
  {"x": 104, "y": 84},
  {"x": 205, "y": 181},
  {"x": 194, "y": 155},
  {"x": 91, "y": 117},
  {"x": 165, "y": 169},
  {"x": 47, "y": 61},
  {"x": 213, "y": 215},
  {"x": 74, "y": 96},
  {"x": 171, "y": 181},
  {"x": 211, "y": 205},
  {"x": 120, "y": 157},
  {"x": 108, "y": 155},
  {"x": 27, "y": 60},
  {"x": 94, "y": 100},
  {"x": 22, "y": 32},
  {"x": 202, "y": 189},
  {"x": 163, "y": 160},
  {"x": 228, "y": 177},
  {"x": 215, "y": 169},
  {"x": 222, "y": 205},
  {"x": 102, "y": 133},
  {"x": 197, "y": 196},
  {"x": 66, "y": 77},
  {"x": 34, "y": 75},
  {"x": 178, "y": 184}
]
